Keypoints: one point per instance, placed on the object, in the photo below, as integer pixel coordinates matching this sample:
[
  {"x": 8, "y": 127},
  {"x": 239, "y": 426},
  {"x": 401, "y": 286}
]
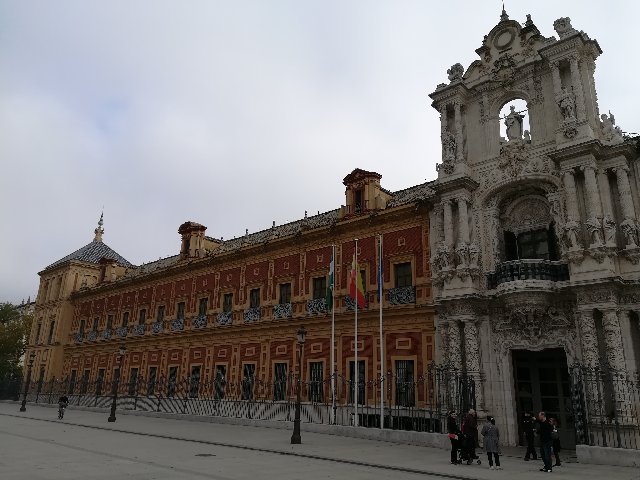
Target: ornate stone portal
[{"x": 526, "y": 226}]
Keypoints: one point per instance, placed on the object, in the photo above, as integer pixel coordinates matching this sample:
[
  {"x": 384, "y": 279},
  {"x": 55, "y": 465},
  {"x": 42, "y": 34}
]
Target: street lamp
[
  {"x": 121, "y": 353},
  {"x": 23, "y": 407},
  {"x": 295, "y": 437}
]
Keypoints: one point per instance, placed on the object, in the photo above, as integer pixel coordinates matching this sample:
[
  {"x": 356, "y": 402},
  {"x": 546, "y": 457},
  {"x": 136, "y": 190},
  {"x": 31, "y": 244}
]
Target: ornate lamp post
[
  {"x": 295, "y": 437},
  {"x": 121, "y": 353},
  {"x": 23, "y": 407}
]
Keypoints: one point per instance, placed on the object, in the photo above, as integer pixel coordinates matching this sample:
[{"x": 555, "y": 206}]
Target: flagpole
[
  {"x": 356, "y": 369},
  {"x": 382, "y": 364},
  {"x": 333, "y": 337}
]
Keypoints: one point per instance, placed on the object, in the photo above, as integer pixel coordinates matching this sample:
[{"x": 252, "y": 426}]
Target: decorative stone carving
[
  {"x": 455, "y": 344},
  {"x": 567, "y": 104},
  {"x": 462, "y": 255},
  {"x": 514, "y": 122},
  {"x": 513, "y": 156},
  {"x": 504, "y": 68},
  {"x": 455, "y": 72},
  {"x": 526, "y": 214},
  {"x": 611, "y": 133},
  {"x": 595, "y": 232},
  {"x": 589, "y": 339},
  {"x": 629, "y": 230},
  {"x": 563, "y": 27},
  {"x": 609, "y": 227},
  {"x": 448, "y": 147},
  {"x": 613, "y": 340},
  {"x": 474, "y": 254}
]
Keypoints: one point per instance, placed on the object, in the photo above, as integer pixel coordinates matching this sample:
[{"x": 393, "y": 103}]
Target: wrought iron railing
[
  {"x": 350, "y": 303},
  {"x": 606, "y": 406},
  {"x": 92, "y": 336},
  {"x": 419, "y": 405},
  {"x": 107, "y": 334},
  {"x": 317, "y": 306},
  {"x": 138, "y": 329},
  {"x": 282, "y": 310},
  {"x": 402, "y": 295},
  {"x": 199, "y": 322},
  {"x": 225, "y": 318},
  {"x": 78, "y": 337},
  {"x": 157, "y": 327},
  {"x": 122, "y": 332},
  {"x": 514, "y": 270},
  {"x": 251, "y": 315},
  {"x": 177, "y": 325}
]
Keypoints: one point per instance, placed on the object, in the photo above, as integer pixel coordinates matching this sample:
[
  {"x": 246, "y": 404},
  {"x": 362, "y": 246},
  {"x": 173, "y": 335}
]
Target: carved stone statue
[
  {"x": 455, "y": 72},
  {"x": 610, "y": 131},
  {"x": 571, "y": 229},
  {"x": 563, "y": 27},
  {"x": 609, "y": 227},
  {"x": 448, "y": 146},
  {"x": 474, "y": 253},
  {"x": 514, "y": 121},
  {"x": 443, "y": 257},
  {"x": 629, "y": 230},
  {"x": 462, "y": 255},
  {"x": 527, "y": 136},
  {"x": 567, "y": 104},
  {"x": 595, "y": 231}
]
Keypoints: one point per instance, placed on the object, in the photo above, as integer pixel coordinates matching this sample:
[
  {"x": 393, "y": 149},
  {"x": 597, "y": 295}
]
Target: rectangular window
[
  {"x": 316, "y": 382},
  {"x": 81, "y": 330},
  {"x": 84, "y": 382},
  {"x": 405, "y": 386},
  {"x": 125, "y": 319},
  {"x": 172, "y": 381},
  {"x": 220, "y": 382},
  {"x": 279, "y": 381},
  {"x": 202, "y": 307},
  {"x": 151, "y": 380},
  {"x": 37, "y": 339},
  {"x": 194, "y": 382},
  {"x": 180, "y": 315},
  {"x": 285, "y": 293},
  {"x": 100, "y": 382},
  {"x": 319, "y": 287},
  {"x": 72, "y": 381},
  {"x": 227, "y": 302},
  {"x": 133, "y": 382},
  {"x": 96, "y": 324},
  {"x": 254, "y": 298},
  {"x": 360, "y": 380},
  {"x": 52, "y": 327},
  {"x": 249, "y": 373},
  {"x": 404, "y": 277},
  {"x": 109, "y": 322},
  {"x": 160, "y": 316},
  {"x": 142, "y": 316}
]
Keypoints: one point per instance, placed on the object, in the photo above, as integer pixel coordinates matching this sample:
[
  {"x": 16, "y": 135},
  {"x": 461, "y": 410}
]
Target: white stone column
[
  {"x": 594, "y": 206},
  {"x": 613, "y": 340},
  {"x": 455, "y": 344},
  {"x": 628, "y": 225},
  {"x": 555, "y": 75},
  {"x": 463, "y": 220},
  {"x": 458, "y": 124},
  {"x": 608, "y": 223},
  {"x": 577, "y": 87},
  {"x": 589, "y": 339},
  {"x": 571, "y": 196},
  {"x": 443, "y": 118},
  {"x": 472, "y": 353},
  {"x": 448, "y": 223}
]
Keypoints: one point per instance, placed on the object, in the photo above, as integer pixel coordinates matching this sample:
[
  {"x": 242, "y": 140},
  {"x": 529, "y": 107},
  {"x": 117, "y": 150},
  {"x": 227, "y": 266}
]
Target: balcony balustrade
[
  {"x": 252, "y": 315},
  {"x": 79, "y": 337},
  {"x": 177, "y": 325},
  {"x": 138, "y": 329},
  {"x": 199, "y": 322},
  {"x": 122, "y": 332},
  {"x": 350, "y": 303},
  {"x": 225, "y": 318},
  {"x": 317, "y": 306},
  {"x": 157, "y": 327},
  {"x": 92, "y": 336},
  {"x": 107, "y": 334},
  {"x": 402, "y": 295},
  {"x": 283, "y": 310},
  {"x": 533, "y": 269}
]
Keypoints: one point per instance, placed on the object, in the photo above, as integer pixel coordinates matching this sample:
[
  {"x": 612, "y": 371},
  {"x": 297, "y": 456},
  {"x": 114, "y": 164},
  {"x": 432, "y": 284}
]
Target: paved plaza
[{"x": 35, "y": 445}]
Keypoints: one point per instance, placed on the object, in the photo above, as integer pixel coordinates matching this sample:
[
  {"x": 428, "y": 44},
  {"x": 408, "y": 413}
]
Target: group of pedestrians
[{"x": 464, "y": 439}]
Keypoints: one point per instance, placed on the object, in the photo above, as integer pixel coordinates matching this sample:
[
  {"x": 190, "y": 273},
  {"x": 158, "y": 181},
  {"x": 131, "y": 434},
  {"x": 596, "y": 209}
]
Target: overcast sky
[{"x": 233, "y": 114}]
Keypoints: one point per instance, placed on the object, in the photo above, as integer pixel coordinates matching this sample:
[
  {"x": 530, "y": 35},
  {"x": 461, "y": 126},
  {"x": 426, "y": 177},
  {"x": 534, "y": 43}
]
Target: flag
[
  {"x": 330, "y": 284},
  {"x": 356, "y": 290}
]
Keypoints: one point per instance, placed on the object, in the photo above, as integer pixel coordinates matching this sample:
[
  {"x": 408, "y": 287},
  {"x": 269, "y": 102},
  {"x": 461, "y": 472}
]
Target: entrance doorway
[{"x": 543, "y": 384}]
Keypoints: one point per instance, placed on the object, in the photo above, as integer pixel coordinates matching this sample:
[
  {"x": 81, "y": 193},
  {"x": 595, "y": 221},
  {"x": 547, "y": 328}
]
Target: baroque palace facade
[{"x": 520, "y": 260}]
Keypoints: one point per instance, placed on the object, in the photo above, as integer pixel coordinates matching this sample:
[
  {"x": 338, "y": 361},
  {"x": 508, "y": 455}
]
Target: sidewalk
[{"x": 274, "y": 445}]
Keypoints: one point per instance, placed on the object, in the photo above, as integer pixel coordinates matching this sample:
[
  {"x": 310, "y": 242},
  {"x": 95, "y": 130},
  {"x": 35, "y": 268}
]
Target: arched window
[{"x": 514, "y": 121}]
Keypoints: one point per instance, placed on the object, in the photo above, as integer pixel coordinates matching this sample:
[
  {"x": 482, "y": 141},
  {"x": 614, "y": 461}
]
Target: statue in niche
[
  {"x": 629, "y": 230},
  {"x": 610, "y": 131},
  {"x": 563, "y": 27},
  {"x": 593, "y": 226},
  {"x": 455, "y": 72},
  {"x": 571, "y": 229},
  {"x": 514, "y": 122},
  {"x": 474, "y": 254},
  {"x": 609, "y": 227},
  {"x": 527, "y": 136},
  {"x": 448, "y": 146},
  {"x": 567, "y": 104}
]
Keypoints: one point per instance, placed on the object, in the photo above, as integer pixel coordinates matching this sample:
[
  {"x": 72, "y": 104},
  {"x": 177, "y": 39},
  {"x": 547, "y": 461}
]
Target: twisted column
[
  {"x": 590, "y": 355},
  {"x": 594, "y": 206},
  {"x": 571, "y": 196},
  {"x": 472, "y": 353},
  {"x": 455, "y": 345},
  {"x": 613, "y": 340}
]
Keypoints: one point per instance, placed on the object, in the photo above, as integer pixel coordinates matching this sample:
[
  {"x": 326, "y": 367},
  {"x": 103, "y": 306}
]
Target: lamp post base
[
  {"x": 296, "y": 439},
  {"x": 111, "y": 419},
  {"x": 23, "y": 408}
]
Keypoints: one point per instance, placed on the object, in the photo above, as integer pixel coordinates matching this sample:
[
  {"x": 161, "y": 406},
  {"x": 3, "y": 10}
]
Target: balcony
[
  {"x": 78, "y": 337},
  {"x": 357, "y": 209},
  {"x": 177, "y": 325},
  {"x": 402, "y": 295},
  {"x": 533, "y": 269},
  {"x": 92, "y": 336},
  {"x": 157, "y": 327},
  {"x": 350, "y": 303},
  {"x": 252, "y": 315},
  {"x": 225, "y": 318},
  {"x": 282, "y": 310},
  {"x": 122, "y": 332},
  {"x": 199, "y": 322},
  {"x": 106, "y": 335},
  {"x": 317, "y": 306},
  {"x": 138, "y": 329}
]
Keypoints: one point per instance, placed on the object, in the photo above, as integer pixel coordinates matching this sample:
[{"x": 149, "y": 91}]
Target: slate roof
[{"x": 92, "y": 253}]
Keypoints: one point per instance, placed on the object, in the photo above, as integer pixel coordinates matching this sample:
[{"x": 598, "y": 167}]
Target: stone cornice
[{"x": 595, "y": 148}]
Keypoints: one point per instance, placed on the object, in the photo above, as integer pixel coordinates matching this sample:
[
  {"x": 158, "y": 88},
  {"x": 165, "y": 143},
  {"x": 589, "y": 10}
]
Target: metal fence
[
  {"x": 606, "y": 406},
  {"x": 409, "y": 404}
]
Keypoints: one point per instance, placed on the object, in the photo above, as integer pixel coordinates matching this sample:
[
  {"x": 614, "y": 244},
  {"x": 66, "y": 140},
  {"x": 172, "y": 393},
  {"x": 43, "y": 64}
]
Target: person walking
[
  {"x": 555, "y": 441},
  {"x": 529, "y": 427},
  {"x": 544, "y": 430},
  {"x": 491, "y": 436},
  {"x": 454, "y": 433},
  {"x": 470, "y": 432}
]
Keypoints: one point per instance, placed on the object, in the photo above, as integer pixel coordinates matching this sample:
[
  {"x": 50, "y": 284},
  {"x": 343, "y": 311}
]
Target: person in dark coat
[
  {"x": 545, "y": 430},
  {"x": 454, "y": 432},
  {"x": 491, "y": 436},
  {"x": 555, "y": 442},
  {"x": 529, "y": 427},
  {"x": 470, "y": 431}
]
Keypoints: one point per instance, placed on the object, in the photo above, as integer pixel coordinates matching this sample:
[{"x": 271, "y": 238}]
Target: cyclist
[{"x": 63, "y": 401}]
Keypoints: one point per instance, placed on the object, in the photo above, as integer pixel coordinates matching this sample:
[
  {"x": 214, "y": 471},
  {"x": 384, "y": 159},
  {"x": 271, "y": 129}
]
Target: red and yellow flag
[{"x": 356, "y": 289}]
